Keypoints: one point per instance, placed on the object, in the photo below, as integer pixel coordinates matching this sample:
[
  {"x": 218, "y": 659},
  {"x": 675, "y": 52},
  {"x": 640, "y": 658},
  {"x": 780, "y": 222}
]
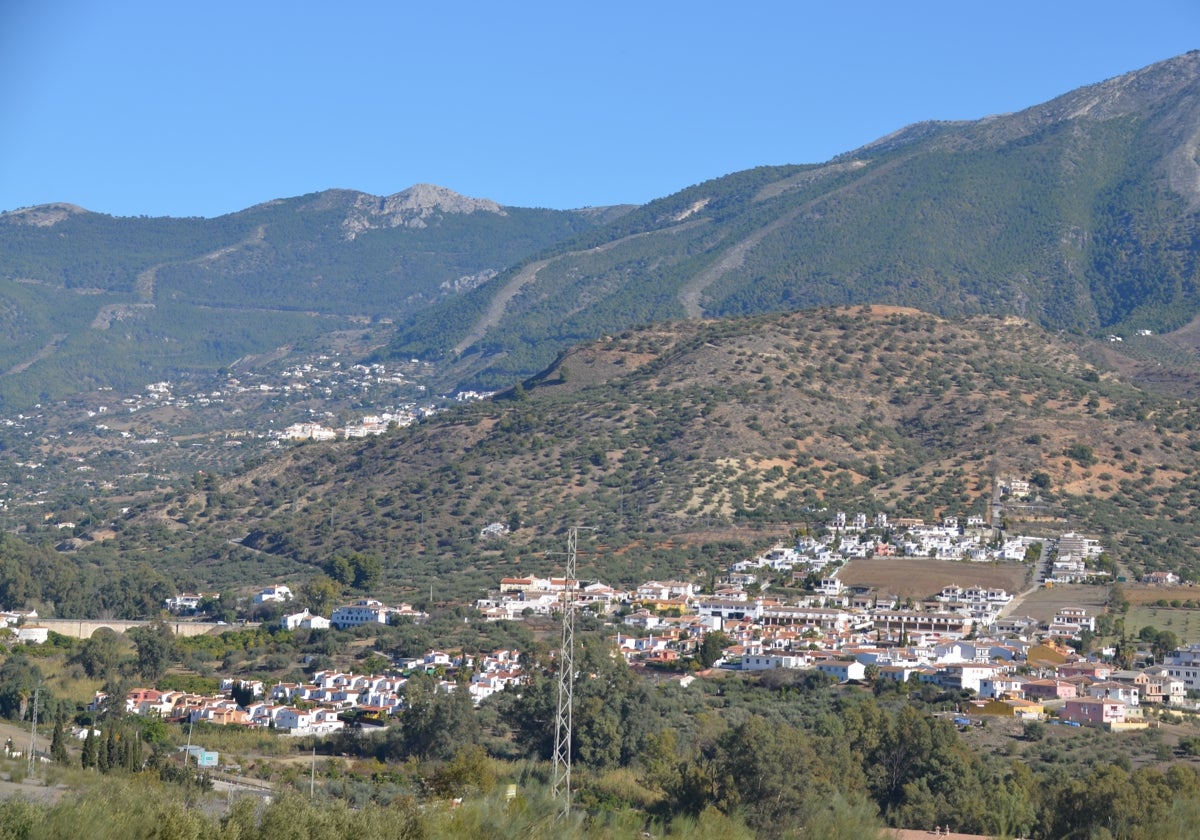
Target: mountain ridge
[{"x": 1081, "y": 213}]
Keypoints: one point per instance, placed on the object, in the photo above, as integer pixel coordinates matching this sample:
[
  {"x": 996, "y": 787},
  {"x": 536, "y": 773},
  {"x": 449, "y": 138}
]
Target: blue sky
[{"x": 199, "y": 109}]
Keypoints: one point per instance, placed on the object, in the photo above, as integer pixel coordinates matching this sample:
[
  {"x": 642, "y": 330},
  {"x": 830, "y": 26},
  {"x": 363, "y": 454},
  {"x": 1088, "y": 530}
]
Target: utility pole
[
  {"x": 187, "y": 753},
  {"x": 33, "y": 730},
  {"x": 566, "y": 685}
]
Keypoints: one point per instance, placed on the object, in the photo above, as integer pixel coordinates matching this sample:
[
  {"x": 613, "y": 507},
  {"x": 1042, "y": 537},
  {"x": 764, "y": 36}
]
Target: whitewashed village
[
  {"x": 961, "y": 638},
  {"x": 965, "y": 639}
]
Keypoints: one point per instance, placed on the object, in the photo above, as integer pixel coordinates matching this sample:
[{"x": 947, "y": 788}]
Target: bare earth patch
[
  {"x": 920, "y": 577},
  {"x": 1043, "y": 603}
]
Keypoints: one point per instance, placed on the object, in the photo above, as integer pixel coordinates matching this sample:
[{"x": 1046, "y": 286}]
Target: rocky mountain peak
[{"x": 413, "y": 207}]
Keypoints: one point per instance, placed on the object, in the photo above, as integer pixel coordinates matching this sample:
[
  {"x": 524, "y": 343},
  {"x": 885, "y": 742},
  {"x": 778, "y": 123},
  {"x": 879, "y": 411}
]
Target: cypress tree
[
  {"x": 103, "y": 752},
  {"x": 91, "y": 749},
  {"x": 58, "y": 742},
  {"x": 133, "y": 752},
  {"x": 112, "y": 746}
]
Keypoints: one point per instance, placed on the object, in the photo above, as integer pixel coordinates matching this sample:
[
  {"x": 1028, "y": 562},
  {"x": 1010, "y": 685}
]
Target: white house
[
  {"x": 1184, "y": 663},
  {"x": 1127, "y": 694},
  {"x": 365, "y": 611},
  {"x": 185, "y": 602},
  {"x": 843, "y": 671},
  {"x": 304, "y": 619},
  {"x": 33, "y": 635},
  {"x": 769, "y": 661},
  {"x": 273, "y": 594},
  {"x": 307, "y": 722}
]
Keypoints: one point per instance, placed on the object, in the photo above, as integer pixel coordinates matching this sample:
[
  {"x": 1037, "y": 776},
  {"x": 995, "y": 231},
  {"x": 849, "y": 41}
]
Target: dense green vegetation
[{"x": 784, "y": 754}]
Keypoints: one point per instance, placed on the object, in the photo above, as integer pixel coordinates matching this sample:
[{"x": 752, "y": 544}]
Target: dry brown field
[
  {"x": 1138, "y": 594},
  {"x": 1044, "y": 602},
  {"x": 921, "y": 577}
]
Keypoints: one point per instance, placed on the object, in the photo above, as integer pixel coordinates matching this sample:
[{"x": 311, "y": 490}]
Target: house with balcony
[
  {"x": 1094, "y": 711},
  {"x": 1160, "y": 688}
]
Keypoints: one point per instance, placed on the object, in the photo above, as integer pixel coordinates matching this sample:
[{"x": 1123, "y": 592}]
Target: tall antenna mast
[{"x": 566, "y": 684}]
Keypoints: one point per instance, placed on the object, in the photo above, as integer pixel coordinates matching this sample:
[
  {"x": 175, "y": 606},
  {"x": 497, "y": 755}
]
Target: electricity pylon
[{"x": 566, "y": 684}]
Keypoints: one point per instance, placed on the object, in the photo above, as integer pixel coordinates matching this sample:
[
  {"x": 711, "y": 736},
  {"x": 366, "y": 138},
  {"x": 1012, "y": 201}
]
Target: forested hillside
[
  {"x": 92, "y": 300},
  {"x": 1079, "y": 214}
]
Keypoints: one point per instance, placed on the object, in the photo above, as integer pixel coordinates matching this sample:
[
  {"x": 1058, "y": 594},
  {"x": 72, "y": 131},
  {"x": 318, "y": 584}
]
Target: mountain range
[{"x": 1079, "y": 214}]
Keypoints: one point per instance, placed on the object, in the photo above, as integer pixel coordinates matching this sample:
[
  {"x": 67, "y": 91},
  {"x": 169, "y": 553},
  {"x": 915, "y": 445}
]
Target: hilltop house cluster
[
  {"x": 857, "y": 536},
  {"x": 322, "y": 705},
  {"x": 322, "y": 377},
  {"x": 372, "y": 424},
  {"x": 325, "y": 378},
  {"x": 362, "y": 611}
]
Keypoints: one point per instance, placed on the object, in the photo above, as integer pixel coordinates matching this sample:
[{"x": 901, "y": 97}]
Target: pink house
[{"x": 1094, "y": 711}]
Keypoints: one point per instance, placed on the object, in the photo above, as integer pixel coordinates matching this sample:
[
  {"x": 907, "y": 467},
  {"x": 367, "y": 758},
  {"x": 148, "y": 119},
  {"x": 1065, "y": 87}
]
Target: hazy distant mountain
[{"x": 88, "y": 299}]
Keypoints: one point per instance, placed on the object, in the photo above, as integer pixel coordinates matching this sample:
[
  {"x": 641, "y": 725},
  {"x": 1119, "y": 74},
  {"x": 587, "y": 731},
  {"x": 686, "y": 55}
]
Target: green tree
[
  {"x": 106, "y": 751},
  {"x": 19, "y": 679},
  {"x": 319, "y": 595},
  {"x": 470, "y": 771},
  {"x": 1165, "y": 641},
  {"x": 771, "y": 774},
  {"x": 367, "y": 571},
  {"x": 436, "y": 724},
  {"x": 58, "y": 742},
  {"x": 100, "y": 654},
  {"x": 340, "y": 569},
  {"x": 918, "y": 768},
  {"x": 91, "y": 749},
  {"x": 243, "y": 694},
  {"x": 711, "y": 647},
  {"x": 133, "y": 754},
  {"x": 1081, "y": 454},
  {"x": 155, "y": 645}
]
